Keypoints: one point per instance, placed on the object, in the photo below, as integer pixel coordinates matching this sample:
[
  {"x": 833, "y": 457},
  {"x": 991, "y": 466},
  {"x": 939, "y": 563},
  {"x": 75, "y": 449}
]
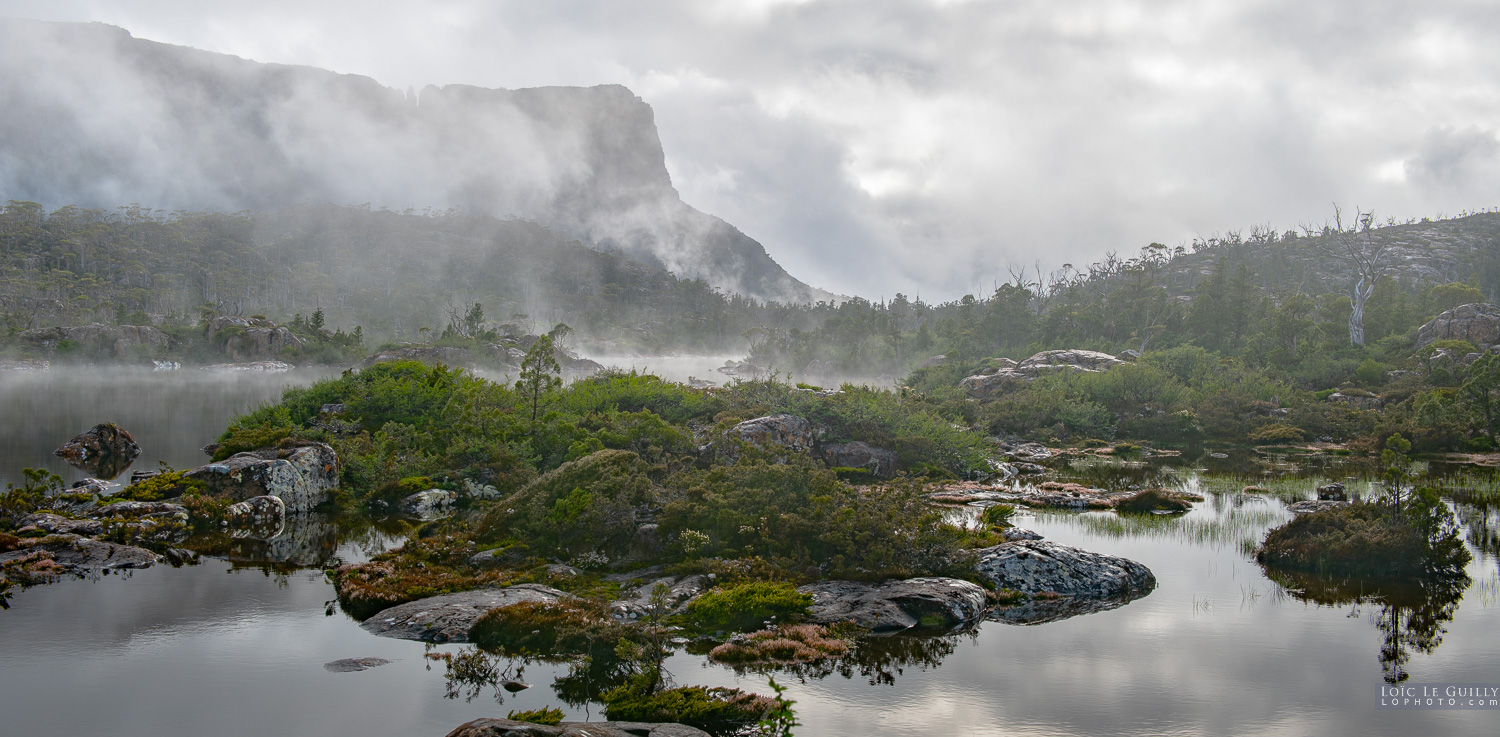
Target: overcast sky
[{"x": 876, "y": 146}]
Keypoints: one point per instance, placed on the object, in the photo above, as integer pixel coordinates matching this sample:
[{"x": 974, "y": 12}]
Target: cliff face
[{"x": 97, "y": 118}]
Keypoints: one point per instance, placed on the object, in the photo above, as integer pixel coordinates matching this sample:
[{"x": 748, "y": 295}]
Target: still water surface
[{"x": 236, "y": 648}]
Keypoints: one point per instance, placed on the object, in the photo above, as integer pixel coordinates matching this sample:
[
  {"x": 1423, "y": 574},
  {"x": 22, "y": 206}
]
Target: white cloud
[{"x": 881, "y": 145}]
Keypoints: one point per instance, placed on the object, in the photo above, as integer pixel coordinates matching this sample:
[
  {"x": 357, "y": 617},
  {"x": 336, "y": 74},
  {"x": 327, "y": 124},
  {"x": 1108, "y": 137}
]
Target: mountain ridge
[{"x": 106, "y": 119}]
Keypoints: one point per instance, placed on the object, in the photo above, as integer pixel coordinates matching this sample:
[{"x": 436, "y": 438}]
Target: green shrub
[
  {"x": 1277, "y": 434},
  {"x": 1152, "y": 500},
  {"x": 165, "y": 485},
  {"x": 714, "y": 710},
  {"x": 748, "y": 606},
  {"x": 582, "y": 506},
  {"x": 545, "y": 716},
  {"x": 240, "y": 438},
  {"x": 534, "y": 628},
  {"x": 998, "y": 515},
  {"x": 1370, "y": 539}
]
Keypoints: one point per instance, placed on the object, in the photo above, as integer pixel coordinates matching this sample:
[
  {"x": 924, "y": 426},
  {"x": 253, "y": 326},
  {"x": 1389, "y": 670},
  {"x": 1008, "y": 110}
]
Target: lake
[{"x": 236, "y": 645}]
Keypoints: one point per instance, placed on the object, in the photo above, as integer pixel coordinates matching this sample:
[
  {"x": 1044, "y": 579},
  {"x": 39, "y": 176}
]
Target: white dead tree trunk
[{"x": 1365, "y": 254}]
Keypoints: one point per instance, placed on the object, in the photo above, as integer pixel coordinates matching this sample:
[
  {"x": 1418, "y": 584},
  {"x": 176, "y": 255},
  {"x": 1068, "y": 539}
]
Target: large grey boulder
[
  {"x": 1043, "y": 567},
  {"x": 1478, "y": 323},
  {"x": 784, "y": 430},
  {"x": 511, "y": 728},
  {"x": 447, "y": 618},
  {"x": 300, "y": 476},
  {"x": 896, "y": 605},
  {"x": 859, "y": 454},
  {"x": 250, "y": 338}
]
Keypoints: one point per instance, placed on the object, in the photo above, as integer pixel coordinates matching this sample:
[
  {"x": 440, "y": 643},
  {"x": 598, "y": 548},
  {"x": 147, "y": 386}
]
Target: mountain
[{"x": 97, "y": 118}]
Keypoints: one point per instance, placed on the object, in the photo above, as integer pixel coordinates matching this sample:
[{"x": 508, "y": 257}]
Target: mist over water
[{"x": 171, "y": 414}]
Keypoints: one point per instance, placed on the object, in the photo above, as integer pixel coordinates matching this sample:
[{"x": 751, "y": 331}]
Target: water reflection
[{"x": 1410, "y": 615}]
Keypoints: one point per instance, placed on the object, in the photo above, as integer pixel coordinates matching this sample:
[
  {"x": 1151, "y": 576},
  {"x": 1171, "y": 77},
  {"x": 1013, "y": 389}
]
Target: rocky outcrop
[
  {"x": 262, "y": 367},
  {"x": 447, "y": 618},
  {"x": 119, "y": 341},
  {"x": 301, "y": 476},
  {"x": 858, "y": 454},
  {"x": 635, "y": 595},
  {"x": 429, "y": 354},
  {"x": 250, "y": 338},
  {"x": 430, "y": 503},
  {"x": 1001, "y": 378},
  {"x": 1332, "y": 492},
  {"x": 58, "y": 524},
  {"x": 106, "y": 449},
  {"x": 1477, "y": 323},
  {"x": 1042, "y": 567},
  {"x": 1314, "y": 505},
  {"x": 783, "y": 430},
  {"x": 894, "y": 606},
  {"x": 39, "y": 559},
  {"x": 257, "y": 513},
  {"x": 511, "y": 728},
  {"x": 1357, "y": 401}
]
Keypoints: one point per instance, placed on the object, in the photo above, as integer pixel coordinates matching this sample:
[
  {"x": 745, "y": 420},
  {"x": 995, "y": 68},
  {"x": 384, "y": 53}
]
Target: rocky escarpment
[
  {"x": 215, "y": 132},
  {"x": 1476, "y": 323},
  {"x": 119, "y": 341}
]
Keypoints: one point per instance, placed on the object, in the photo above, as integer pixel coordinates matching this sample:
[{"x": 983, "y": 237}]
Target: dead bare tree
[{"x": 1365, "y": 254}]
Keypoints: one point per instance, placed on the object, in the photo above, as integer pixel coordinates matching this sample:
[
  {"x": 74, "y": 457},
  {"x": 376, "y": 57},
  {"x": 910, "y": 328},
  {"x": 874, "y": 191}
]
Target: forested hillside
[{"x": 399, "y": 276}]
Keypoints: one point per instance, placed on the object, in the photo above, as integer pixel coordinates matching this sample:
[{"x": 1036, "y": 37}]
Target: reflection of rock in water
[
  {"x": 1042, "y": 611},
  {"x": 1411, "y": 614},
  {"x": 104, "y": 450},
  {"x": 301, "y": 540}
]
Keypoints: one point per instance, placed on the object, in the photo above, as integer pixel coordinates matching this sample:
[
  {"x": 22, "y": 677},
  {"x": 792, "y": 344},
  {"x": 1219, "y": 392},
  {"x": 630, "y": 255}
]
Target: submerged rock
[
  {"x": 511, "y": 728},
  {"x": 106, "y": 449},
  {"x": 447, "y": 618},
  {"x": 354, "y": 665},
  {"x": 1042, "y": 567},
  {"x": 897, "y": 605}
]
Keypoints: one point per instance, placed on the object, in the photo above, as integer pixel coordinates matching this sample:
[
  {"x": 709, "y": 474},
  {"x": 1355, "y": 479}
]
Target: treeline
[
  {"x": 1278, "y": 302},
  {"x": 397, "y": 276}
]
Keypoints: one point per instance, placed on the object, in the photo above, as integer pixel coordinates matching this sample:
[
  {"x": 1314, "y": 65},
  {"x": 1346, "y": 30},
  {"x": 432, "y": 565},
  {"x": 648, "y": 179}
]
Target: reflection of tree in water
[
  {"x": 1411, "y": 614},
  {"x": 1480, "y": 524},
  {"x": 471, "y": 671},
  {"x": 879, "y": 660}
]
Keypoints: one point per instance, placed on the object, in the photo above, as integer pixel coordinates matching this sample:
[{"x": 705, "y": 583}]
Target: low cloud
[{"x": 878, "y": 145}]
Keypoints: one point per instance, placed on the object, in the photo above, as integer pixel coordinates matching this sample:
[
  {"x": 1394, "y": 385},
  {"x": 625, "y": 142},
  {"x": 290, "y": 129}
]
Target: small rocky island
[{"x": 760, "y": 523}]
